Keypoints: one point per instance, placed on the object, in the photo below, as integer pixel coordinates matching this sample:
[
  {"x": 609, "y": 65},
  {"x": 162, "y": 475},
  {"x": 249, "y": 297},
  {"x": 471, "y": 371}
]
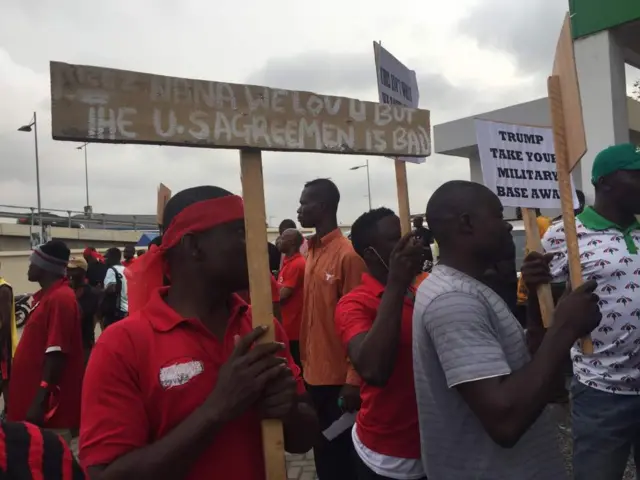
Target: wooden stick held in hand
[{"x": 566, "y": 193}]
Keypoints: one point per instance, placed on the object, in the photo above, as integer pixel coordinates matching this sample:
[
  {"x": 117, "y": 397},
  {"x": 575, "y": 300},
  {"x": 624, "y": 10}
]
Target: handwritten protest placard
[
  {"x": 117, "y": 106},
  {"x": 519, "y": 164}
]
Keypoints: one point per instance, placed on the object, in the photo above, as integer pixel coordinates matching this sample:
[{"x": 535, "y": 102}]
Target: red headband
[{"x": 147, "y": 273}]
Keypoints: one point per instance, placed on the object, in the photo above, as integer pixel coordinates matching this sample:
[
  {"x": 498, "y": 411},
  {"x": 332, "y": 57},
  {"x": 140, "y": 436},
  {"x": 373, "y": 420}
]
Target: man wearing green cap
[{"x": 606, "y": 385}]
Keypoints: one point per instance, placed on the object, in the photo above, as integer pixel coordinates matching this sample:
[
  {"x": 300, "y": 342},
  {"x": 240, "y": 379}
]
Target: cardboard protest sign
[
  {"x": 118, "y": 106},
  {"x": 519, "y": 164},
  {"x": 397, "y": 84}
]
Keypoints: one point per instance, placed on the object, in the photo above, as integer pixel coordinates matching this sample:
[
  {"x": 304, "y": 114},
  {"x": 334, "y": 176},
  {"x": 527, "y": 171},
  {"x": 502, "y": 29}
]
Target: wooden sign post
[
  {"x": 403, "y": 196},
  {"x": 570, "y": 144},
  {"x": 534, "y": 244},
  {"x": 93, "y": 104},
  {"x": 164, "y": 195},
  {"x": 399, "y": 86}
]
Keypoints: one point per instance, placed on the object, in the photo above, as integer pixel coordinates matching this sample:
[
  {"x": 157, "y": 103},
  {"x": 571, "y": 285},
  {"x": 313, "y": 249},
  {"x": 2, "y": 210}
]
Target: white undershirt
[{"x": 392, "y": 467}]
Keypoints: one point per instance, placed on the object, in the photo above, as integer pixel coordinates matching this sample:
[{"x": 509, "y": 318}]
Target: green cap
[{"x": 612, "y": 159}]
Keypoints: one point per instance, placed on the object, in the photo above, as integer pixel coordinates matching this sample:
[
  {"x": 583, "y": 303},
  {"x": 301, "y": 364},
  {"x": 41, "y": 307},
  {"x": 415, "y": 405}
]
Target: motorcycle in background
[{"x": 23, "y": 306}]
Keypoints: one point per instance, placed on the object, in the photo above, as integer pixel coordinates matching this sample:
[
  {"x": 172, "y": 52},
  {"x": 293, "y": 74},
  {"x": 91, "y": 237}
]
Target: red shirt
[
  {"x": 275, "y": 292},
  {"x": 387, "y": 422},
  {"x": 149, "y": 372},
  {"x": 292, "y": 276},
  {"x": 128, "y": 263},
  {"x": 53, "y": 326}
]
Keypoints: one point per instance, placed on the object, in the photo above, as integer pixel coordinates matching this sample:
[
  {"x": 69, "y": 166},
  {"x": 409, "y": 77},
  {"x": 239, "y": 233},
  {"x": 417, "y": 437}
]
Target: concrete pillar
[
  {"x": 601, "y": 73},
  {"x": 475, "y": 169}
]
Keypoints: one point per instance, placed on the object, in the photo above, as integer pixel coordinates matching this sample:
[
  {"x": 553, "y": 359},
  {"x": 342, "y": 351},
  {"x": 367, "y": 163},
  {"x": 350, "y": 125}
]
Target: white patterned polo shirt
[{"x": 609, "y": 255}]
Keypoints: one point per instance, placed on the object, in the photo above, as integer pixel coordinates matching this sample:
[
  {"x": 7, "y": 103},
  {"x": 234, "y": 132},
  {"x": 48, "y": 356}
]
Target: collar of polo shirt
[
  {"x": 594, "y": 221},
  {"x": 316, "y": 241}
]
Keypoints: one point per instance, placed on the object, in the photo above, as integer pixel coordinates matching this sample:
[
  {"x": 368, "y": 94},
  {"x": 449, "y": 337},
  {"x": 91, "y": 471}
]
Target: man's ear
[{"x": 603, "y": 184}]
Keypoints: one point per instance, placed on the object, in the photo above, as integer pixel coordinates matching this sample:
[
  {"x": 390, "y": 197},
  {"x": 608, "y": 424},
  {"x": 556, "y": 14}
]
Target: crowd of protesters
[{"x": 388, "y": 363}]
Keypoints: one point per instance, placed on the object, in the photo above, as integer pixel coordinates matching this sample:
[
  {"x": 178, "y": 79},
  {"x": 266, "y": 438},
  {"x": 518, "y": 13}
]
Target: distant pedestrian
[
  {"x": 426, "y": 237},
  {"x": 288, "y": 224},
  {"x": 114, "y": 306},
  {"x": 129, "y": 256},
  {"x": 333, "y": 269},
  {"x": 374, "y": 323},
  {"x": 49, "y": 363},
  {"x": 481, "y": 396},
  {"x": 88, "y": 300},
  {"x": 96, "y": 269},
  {"x": 291, "y": 285}
]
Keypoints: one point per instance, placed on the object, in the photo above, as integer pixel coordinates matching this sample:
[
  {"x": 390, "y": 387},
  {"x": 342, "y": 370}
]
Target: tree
[{"x": 636, "y": 90}]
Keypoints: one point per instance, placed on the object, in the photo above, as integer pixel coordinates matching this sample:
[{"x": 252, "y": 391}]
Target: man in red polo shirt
[
  {"x": 291, "y": 283},
  {"x": 178, "y": 389},
  {"x": 129, "y": 255},
  {"x": 374, "y": 323},
  {"x": 48, "y": 366}
]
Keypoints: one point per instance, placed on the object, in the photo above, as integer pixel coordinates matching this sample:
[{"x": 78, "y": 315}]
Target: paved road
[{"x": 301, "y": 467}]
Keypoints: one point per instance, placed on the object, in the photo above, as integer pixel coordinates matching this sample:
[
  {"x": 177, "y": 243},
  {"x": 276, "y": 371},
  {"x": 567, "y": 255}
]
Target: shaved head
[
  {"x": 453, "y": 200},
  {"x": 290, "y": 241},
  {"x": 466, "y": 220}
]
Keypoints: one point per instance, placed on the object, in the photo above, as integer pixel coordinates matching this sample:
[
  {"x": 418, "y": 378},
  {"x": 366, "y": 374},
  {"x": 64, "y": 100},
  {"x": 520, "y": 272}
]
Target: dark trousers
[
  {"x": 365, "y": 473},
  {"x": 606, "y": 428},
  {"x": 335, "y": 459},
  {"x": 294, "y": 348}
]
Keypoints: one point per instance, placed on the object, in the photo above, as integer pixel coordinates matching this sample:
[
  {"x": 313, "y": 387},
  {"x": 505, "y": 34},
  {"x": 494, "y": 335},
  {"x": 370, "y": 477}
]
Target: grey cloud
[
  {"x": 527, "y": 31},
  {"x": 354, "y": 75},
  {"x": 192, "y": 41}
]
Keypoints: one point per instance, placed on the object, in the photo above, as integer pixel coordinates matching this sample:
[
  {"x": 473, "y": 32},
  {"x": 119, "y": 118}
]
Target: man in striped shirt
[
  {"x": 481, "y": 396},
  {"x": 28, "y": 452}
]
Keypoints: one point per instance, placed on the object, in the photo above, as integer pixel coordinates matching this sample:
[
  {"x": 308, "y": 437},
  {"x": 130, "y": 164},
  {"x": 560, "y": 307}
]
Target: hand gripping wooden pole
[
  {"x": 403, "y": 196},
  {"x": 260, "y": 291},
  {"x": 566, "y": 194},
  {"x": 545, "y": 297}
]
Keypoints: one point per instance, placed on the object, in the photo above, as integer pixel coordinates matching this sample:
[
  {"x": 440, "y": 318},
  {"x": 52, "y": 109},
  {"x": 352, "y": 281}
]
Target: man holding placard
[
  {"x": 178, "y": 389},
  {"x": 481, "y": 387},
  {"x": 606, "y": 386}
]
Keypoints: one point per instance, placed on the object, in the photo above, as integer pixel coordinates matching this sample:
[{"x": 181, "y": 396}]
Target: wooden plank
[
  {"x": 164, "y": 195},
  {"x": 96, "y": 104},
  {"x": 260, "y": 291},
  {"x": 403, "y": 196},
  {"x": 564, "y": 180},
  {"x": 534, "y": 244},
  {"x": 564, "y": 67}
]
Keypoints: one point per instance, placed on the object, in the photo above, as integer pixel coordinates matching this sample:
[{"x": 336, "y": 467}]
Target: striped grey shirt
[{"x": 464, "y": 332}]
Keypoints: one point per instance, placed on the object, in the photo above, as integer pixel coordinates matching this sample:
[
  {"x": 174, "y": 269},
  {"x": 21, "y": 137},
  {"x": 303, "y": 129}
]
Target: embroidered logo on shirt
[{"x": 180, "y": 373}]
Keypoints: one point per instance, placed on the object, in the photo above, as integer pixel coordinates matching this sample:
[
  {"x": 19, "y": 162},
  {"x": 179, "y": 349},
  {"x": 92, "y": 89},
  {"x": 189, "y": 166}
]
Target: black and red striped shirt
[{"x": 29, "y": 453}]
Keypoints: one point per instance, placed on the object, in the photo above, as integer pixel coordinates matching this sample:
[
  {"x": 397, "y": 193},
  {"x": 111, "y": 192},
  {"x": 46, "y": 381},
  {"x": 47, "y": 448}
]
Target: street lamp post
[
  {"x": 28, "y": 128},
  {"x": 86, "y": 174},
  {"x": 366, "y": 165}
]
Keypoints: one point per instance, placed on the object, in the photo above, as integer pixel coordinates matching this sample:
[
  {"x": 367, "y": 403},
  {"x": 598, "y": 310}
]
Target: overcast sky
[{"x": 470, "y": 56}]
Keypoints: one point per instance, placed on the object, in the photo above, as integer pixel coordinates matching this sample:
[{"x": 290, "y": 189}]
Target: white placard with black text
[
  {"x": 519, "y": 164},
  {"x": 396, "y": 84}
]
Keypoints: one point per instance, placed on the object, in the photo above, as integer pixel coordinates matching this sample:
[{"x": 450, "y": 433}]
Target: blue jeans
[{"x": 606, "y": 427}]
